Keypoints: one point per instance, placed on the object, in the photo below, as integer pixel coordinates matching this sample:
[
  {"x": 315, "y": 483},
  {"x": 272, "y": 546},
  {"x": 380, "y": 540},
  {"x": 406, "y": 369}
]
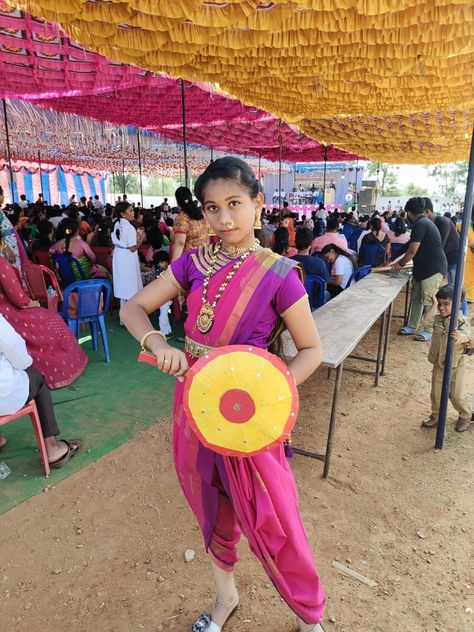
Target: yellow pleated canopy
[{"x": 392, "y": 80}]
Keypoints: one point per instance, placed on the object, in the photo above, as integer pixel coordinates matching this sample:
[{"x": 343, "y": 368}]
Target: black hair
[
  {"x": 161, "y": 255},
  {"x": 376, "y": 224},
  {"x": 399, "y": 226},
  {"x": 228, "y": 168},
  {"x": 339, "y": 251},
  {"x": 66, "y": 229},
  {"x": 303, "y": 238},
  {"x": 120, "y": 208},
  {"x": 282, "y": 239},
  {"x": 332, "y": 223},
  {"x": 154, "y": 237},
  {"x": 102, "y": 238},
  {"x": 447, "y": 292},
  {"x": 185, "y": 201},
  {"x": 415, "y": 205},
  {"x": 428, "y": 204}
]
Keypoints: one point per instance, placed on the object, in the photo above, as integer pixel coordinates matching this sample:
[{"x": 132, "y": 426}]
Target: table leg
[
  {"x": 379, "y": 349},
  {"x": 387, "y": 336},
  {"x": 332, "y": 421},
  {"x": 407, "y": 304}
]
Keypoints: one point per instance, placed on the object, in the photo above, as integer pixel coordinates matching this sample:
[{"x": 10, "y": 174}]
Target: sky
[{"x": 418, "y": 175}]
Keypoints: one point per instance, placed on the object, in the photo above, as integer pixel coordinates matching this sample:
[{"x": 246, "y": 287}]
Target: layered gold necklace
[{"x": 205, "y": 319}]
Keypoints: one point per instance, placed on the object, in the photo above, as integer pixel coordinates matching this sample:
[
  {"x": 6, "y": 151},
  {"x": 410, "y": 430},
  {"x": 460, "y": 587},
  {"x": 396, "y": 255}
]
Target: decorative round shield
[{"x": 240, "y": 400}]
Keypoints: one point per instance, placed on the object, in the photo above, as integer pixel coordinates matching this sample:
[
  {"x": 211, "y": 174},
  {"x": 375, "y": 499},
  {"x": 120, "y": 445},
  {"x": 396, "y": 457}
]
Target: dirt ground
[{"x": 104, "y": 550}]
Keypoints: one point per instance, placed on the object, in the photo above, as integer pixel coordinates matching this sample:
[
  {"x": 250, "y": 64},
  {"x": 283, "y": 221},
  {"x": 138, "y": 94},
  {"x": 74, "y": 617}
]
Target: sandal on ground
[
  {"x": 73, "y": 447},
  {"x": 462, "y": 424},
  {"x": 423, "y": 336},
  {"x": 407, "y": 331},
  {"x": 205, "y": 622},
  {"x": 430, "y": 422}
]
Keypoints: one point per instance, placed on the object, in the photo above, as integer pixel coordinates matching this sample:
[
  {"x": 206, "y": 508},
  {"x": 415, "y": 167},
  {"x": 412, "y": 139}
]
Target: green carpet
[{"x": 105, "y": 407}]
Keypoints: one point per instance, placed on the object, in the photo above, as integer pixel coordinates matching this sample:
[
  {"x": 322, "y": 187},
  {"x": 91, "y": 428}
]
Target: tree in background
[
  {"x": 414, "y": 190},
  {"x": 450, "y": 177},
  {"x": 124, "y": 183},
  {"x": 156, "y": 186},
  {"x": 387, "y": 177}
]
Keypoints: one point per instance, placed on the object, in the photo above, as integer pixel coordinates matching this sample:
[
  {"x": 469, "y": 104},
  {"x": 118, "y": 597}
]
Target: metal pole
[
  {"x": 185, "y": 148},
  {"x": 41, "y": 180},
  {"x": 140, "y": 165},
  {"x": 280, "y": 143},
  {"x": 259, "y": 168},
  {"x": 9, "y": 155},
  {"x": 458, "y": 282},
  {"x": 123, "y": 176},
  {"x": 357, "y": 173},
  {"x": 212, "y": 154},
  {"x": 324, "y": 176}
]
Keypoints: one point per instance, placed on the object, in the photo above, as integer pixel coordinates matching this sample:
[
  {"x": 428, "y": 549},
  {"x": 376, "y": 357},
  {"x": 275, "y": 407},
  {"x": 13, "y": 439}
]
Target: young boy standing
[{"x": 442, "y": 303}]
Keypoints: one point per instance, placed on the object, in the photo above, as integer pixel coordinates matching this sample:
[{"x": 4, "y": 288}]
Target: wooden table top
[{"x": 345, "y": 319}]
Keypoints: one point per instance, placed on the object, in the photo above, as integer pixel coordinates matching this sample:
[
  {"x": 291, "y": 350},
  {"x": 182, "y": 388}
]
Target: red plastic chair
[
  {"x": 38, "y": 278},
  {"x": 43, "y": 258},
  {"x": 31, "y": 410}
]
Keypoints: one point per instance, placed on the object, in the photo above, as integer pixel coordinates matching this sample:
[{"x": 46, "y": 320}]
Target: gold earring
[{"x": 258, "y": 224}]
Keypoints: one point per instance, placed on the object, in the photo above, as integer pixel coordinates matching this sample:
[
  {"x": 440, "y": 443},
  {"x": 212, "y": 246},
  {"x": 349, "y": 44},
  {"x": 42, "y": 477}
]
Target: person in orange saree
[
  {"x": 237, "y": 293},
  {"x": 190, "y": 228}
]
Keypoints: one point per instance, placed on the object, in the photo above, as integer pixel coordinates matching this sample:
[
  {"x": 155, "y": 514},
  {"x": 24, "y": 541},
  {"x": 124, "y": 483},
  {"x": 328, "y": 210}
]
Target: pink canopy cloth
[{"x": 40, "y": 63}]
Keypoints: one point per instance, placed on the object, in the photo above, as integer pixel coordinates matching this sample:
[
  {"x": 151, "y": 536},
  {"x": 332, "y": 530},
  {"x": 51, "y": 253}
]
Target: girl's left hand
[{"x": 33, "y": 304}]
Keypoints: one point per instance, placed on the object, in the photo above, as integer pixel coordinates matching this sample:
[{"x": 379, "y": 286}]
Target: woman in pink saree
[{"x": 238, "y": 293}]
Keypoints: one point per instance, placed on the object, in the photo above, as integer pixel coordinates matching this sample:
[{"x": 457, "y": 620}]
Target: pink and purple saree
[{"x": 254, "y": 495}]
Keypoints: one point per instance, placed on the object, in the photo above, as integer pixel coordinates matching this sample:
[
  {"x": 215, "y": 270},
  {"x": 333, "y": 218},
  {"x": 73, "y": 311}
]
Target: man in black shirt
[
  {"x": 430, "y": 265},
  {"x": 449, "y": 240}
]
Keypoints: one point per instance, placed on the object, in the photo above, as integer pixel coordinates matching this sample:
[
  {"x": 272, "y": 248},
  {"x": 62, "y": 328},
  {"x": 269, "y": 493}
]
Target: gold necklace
[
  {"x": 205, "y": 319},
  {"x": 233, "y": 252}
]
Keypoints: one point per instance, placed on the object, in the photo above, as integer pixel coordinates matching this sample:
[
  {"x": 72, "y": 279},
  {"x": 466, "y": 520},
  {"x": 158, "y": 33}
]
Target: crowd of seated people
[
  {"x": 47, "y": 354},
  {"x": 339, "y": 241}
]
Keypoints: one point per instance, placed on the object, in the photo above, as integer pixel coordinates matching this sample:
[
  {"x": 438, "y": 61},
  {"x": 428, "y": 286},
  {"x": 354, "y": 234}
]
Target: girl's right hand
[{"x": 170, "y": 361}]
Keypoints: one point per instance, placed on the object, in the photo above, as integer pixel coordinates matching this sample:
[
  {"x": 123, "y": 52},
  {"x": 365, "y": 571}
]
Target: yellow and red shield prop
[{"x": 240, "y": 400}]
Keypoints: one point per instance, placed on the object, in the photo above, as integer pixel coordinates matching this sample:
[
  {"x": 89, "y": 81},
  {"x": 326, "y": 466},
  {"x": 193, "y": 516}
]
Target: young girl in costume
[{"x": 236, "y": 292}]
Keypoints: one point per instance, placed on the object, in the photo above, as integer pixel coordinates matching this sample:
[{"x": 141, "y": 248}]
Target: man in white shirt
[
  {"x": 23, "y": 203},
  {"x": 19, "y": 384},
  {"x": 321, "y": 213},
  {"x": 97, "y": 204},
  {"x": 57, "y": 219}
]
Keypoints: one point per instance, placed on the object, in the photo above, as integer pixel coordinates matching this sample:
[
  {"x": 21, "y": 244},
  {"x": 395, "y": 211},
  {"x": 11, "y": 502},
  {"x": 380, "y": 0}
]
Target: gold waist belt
[{"x": 196, "y": 349}]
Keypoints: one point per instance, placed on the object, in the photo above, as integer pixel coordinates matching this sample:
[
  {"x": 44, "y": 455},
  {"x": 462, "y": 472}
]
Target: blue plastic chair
[
  {"x": 373, "y": 255},
  {"x": 89, "y": 294},
  {"x": 352, "y": 234},
  {"x": 66, "y": 264},
  {"x": 315, "y": 287},
  {"x": 398, "y": 249},
  {"x": 358, "y": 274}
]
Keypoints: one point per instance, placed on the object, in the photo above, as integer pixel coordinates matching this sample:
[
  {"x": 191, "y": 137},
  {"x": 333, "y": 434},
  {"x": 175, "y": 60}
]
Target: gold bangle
[{"x": 151, "y": 333}]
